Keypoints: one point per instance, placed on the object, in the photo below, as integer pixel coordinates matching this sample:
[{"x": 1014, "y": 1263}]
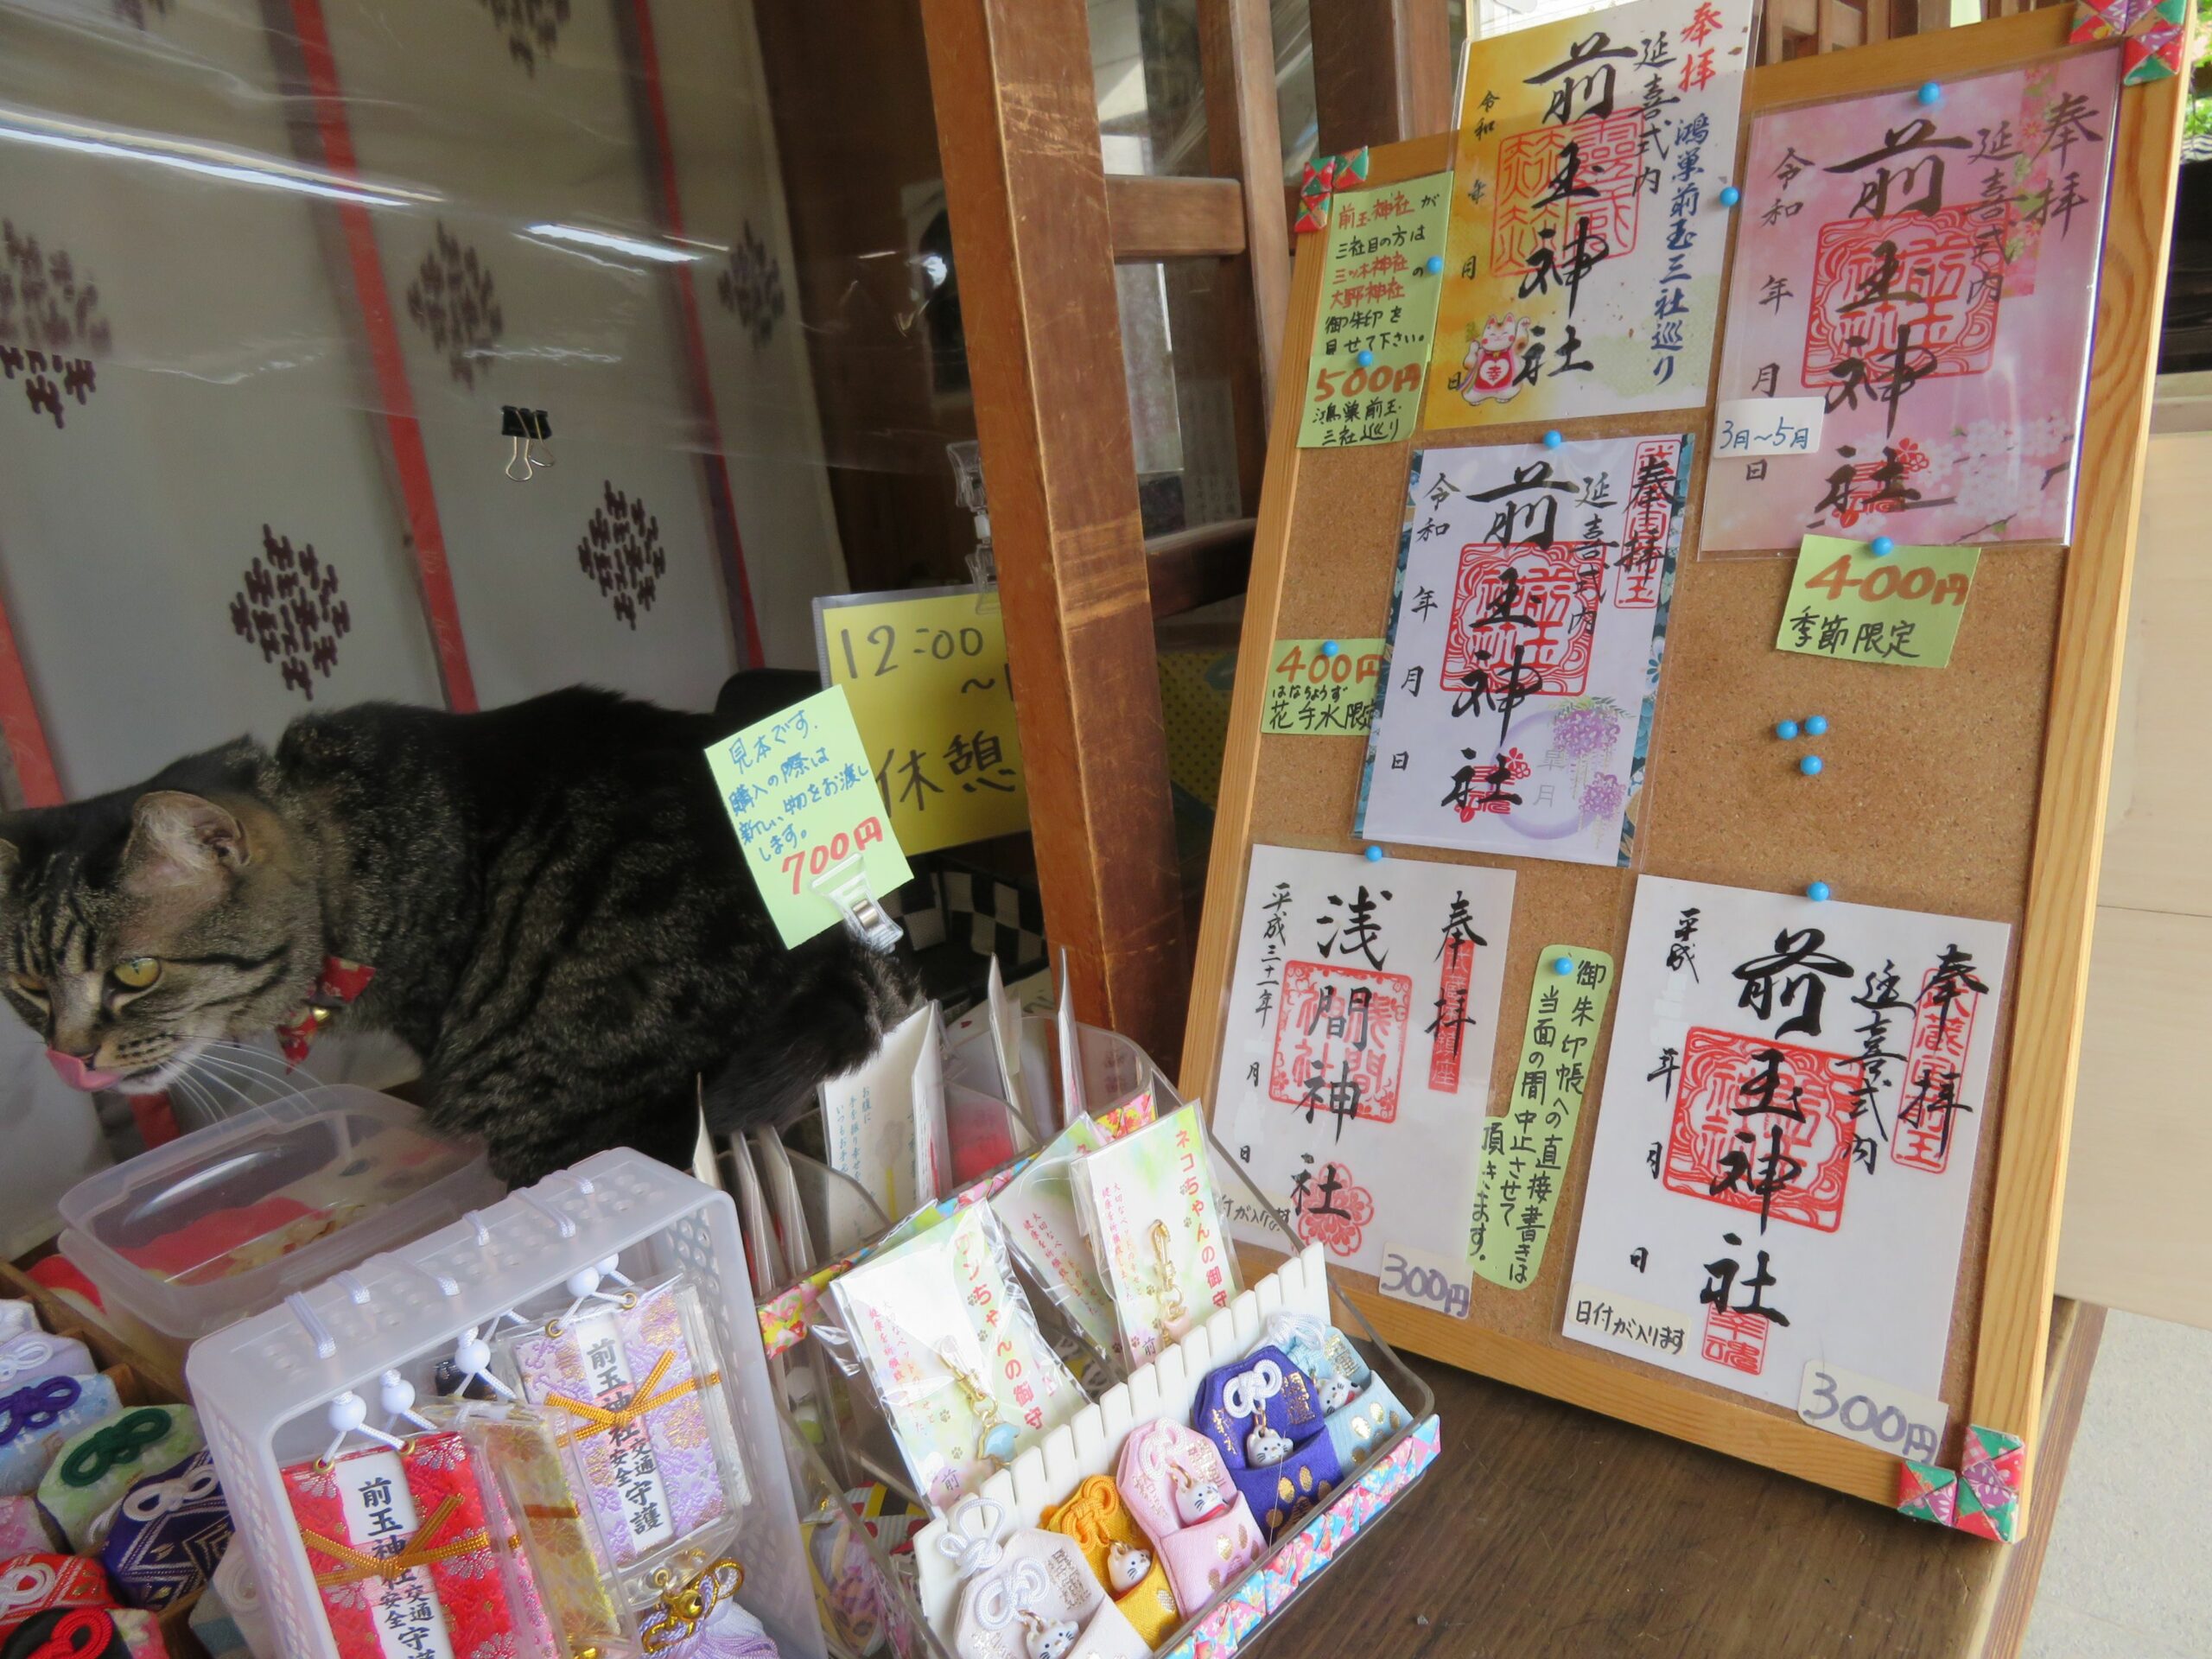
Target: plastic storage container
[{"x": 228, "y": 1220}]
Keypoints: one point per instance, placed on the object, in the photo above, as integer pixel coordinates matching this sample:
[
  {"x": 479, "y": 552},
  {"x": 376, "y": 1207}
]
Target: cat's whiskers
[
  {"x": 257, "y": 1061},
  {"x": 269, "y": 1086}
]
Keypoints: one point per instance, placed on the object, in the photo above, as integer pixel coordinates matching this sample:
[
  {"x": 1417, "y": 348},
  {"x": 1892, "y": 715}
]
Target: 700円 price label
[{"x": 1872, "y": 1412}]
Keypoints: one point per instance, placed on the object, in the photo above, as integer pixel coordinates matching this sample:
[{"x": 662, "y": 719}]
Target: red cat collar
[{"x": 342, "y": 983}]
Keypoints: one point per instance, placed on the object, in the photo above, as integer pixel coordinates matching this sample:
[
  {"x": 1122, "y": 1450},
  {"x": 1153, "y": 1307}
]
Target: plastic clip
[{"x": 846, "y": 886}]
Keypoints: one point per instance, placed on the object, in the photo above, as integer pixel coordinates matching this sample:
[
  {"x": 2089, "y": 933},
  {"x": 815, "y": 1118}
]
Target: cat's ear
[{"x": 181, "y": 842}]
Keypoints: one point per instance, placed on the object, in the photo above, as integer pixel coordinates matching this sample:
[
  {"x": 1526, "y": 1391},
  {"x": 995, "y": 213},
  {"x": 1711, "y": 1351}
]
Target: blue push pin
[
  {"x": 1367, "y": 359},
  {"x": 1562, "y": 966},
  {"x": 1881, "y": 546},
  {"x": 1553, "y": 440},
  {"x": 1817, "y": 891},
  {"x": 1730, "y": 195},
  {"x": 1786, "y": 729},
  {"x": 1811, "y": 764},
  {"x": 1929, "y": 93},
  {"x": 1330, "y": 647},
  {"x": 1374, "y": 855},
  {"x": 1817, "y": 724},
  {"x": 1436, "y": 265}
]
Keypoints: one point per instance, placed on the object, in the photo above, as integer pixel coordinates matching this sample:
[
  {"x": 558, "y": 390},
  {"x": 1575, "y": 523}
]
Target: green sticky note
[
  {"x": 1314, "y": 694},
  {"x": 1525, "y": 1152},
  {"x": 1377, "y": 296},
  {"x": 800, "y": 793},
  {"x": 1904, "y": 610}
]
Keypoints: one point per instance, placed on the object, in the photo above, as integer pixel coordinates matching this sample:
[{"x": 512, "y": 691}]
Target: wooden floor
[{"x": 1547, "y": 1532}]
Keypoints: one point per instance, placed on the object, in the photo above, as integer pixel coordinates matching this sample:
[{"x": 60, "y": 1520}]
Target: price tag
[
  {"x": 1768, "y": 426},
  {"x": 1310, "y": 693},
  {"x": 1880, "y": 1414},
  {"x": 1903, "y": 609},
  {"x": 1426, "y": 1280}
]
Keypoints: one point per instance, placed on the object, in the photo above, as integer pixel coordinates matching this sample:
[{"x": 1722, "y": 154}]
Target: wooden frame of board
[{"x": 1994, "y": 806}]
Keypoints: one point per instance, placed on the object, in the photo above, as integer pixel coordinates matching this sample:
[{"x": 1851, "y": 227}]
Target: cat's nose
[{"x": 76, "y": 1073}]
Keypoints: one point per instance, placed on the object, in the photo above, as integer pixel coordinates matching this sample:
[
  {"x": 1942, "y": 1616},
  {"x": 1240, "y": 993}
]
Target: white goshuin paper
[
  {"x": 1866, "y": 1205},
  {"x": 1358, "y": 1121},
  {"x": 883, "y": 1125},
  {"x": 1525, "y": 638}
]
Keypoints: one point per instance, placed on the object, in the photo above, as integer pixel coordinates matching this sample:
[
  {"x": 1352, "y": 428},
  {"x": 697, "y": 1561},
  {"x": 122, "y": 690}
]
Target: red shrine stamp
[
  {"x": 1733, "y": 1086},
  {"x": 1913, "y": 296},
  {"x": 1525, "y": 619},
  {"x": 1934, "y": 1066},
  {"x": 1736, "y": 1340},
  {"x": 1540, "y": 188},
  {"x": 1340, "y": 1041}
]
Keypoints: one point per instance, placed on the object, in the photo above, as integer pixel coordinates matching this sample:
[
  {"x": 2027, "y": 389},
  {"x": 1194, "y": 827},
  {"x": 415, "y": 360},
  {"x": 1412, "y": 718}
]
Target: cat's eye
[
  {"x": 136, "y": 973},
  {"x": 28, "y": 984}
]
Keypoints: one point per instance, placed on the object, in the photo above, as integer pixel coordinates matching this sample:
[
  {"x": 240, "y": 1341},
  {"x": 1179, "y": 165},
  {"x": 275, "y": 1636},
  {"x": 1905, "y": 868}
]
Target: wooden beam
[
  {"x": 1019, "y": 134},
  {"x": 1191, "y": 567},
  {"x": 1382, "y": 71},
  {"x": 1174, "y": 219}
]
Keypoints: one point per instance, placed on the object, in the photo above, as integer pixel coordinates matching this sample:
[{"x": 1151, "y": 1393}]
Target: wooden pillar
[
  {"x": 1382, "y": 71},
  {"x": 1017, "y": 131}
]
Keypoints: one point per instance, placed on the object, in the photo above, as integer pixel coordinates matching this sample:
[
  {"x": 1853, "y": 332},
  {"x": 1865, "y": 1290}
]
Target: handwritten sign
[
  {"x": 1525, "y": 1152},
  {"x": 1378, "y": 302},
  {"x": 1904, "y": 610},
  {"x": 925, "y": 673},
  {"x": 799, "y": 794},
  {"x": 1312, "y": 693},
  {"x": 1636, "y": 1326},
  {"x": 1426, "y": 1280},
  {"x": 1768, "y": 426},
  {"x": 1872, "y": 1413}
]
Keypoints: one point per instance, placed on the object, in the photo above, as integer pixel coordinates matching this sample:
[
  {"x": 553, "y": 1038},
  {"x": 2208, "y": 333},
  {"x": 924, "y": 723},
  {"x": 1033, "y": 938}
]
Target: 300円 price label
[
  {"x": 1426, "y": 1280},
  {"x": 1873, "y": 1413}
]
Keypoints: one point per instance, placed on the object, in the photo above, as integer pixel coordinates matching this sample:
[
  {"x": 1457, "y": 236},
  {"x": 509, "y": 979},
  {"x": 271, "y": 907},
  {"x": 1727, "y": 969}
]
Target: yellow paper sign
[
  {"x": 925, "y": 671},
  {"x": 1317, "y": 693},
  {"x": 1903, "y": 609},
  {"x": 1525, "y": 1152},
  {"x": 1378, "y": 302}
]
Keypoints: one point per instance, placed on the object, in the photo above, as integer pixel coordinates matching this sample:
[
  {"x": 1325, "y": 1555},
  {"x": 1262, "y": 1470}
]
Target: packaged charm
[
  {"x": 32, "y": 1584},
  {"x": 1358, "y": 1406},
  {"x": 633, "y": 1387},
  {"x": 1030, "y": 1596},
  {"x": 85, "y": 1633},
  {"x": 402, "y": 1553},
  {"x": 35, "y": 1421},
  {"x": 1037, "y": 1208},
  {"x": 1174, "y": 1483},
  {"x": 23, "y": 1528},
  {"x": 556, "y": 1576},
  {"x": 854, "y": 1603},
  {"x": 951, "y": 1347},
  {"x": 168, "y": 1535},
  {"x": 1148, "y": 1206},
  {"x": 1120, "y": 1555},
  {"x": 94, "y": 1467},
  {"x": 33, "y": 1356},
  {"x": 702, "y": 1619},
  {"x": 1262, "y": 1415}
]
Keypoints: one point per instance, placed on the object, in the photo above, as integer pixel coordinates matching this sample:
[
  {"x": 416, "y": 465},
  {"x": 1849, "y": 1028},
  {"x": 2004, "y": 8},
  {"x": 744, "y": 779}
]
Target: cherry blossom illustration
[
  {"x": 532, "y": 27},
  {"x": 752, "y": 286},
  {"x": 51, "y": 326},
  {"x": 287, "y": 605},
  {"x": 621, "y": 550},
  {"x": 453, "y": 300},
  {"x": 1995, "y": 472}
]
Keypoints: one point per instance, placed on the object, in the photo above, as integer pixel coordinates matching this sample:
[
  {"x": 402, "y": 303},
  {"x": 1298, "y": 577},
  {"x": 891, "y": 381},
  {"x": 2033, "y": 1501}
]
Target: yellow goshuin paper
[
  {"x": 1584, "y": 260},
  {"x": 925, "y": 673}
]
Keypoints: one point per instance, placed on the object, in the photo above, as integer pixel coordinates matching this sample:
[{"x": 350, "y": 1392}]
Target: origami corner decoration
[
  {"x": 1983, "y": 1498},
  {"x": 2156, "y": 32},
  {"x": 1326, "y": 175}
]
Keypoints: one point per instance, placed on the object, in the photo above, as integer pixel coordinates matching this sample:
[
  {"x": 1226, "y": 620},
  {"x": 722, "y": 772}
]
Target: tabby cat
[{"x": 549, "y": 897}]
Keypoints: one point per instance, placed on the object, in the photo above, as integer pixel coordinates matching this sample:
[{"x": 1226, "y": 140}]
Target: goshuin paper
[
  {"x": 1378, "y": 296},
  {"x": 1583, "y": 270},
  {"x": 1525, "y": 638},
  {"x": 1356, "y": 1062},
  {"x": 1793, "y": 1104},
  {"x": 1928, "y": 272}
]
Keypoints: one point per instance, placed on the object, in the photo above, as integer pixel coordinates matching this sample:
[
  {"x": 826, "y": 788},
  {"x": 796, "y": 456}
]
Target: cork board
[{"x": 1975, "y": 791}]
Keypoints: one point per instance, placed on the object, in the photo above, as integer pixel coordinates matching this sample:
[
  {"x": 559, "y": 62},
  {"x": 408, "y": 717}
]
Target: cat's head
[{"x": 138, "y": 927}]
